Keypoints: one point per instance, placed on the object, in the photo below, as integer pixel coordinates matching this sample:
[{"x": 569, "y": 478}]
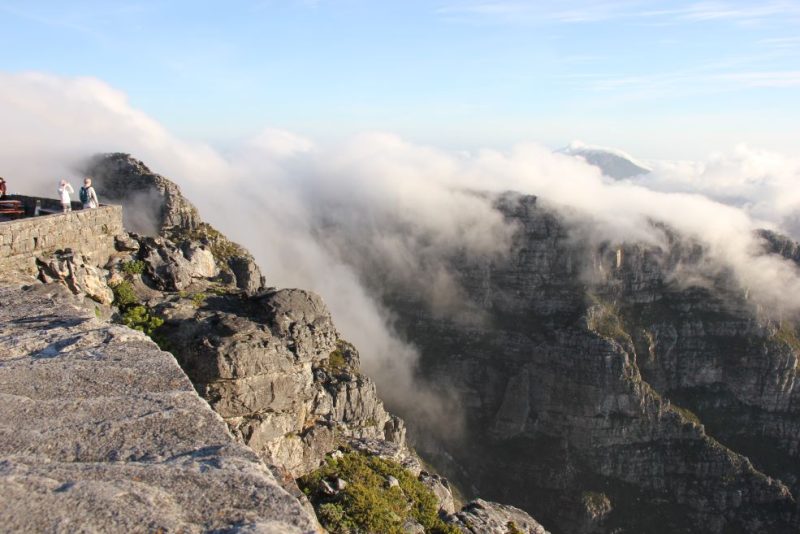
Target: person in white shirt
[
  {"x": 88, "y": 195},
  {"x": 64, "y": 190}
]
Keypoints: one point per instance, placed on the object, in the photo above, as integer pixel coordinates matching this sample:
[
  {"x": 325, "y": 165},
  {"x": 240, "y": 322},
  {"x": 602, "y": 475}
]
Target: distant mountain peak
[{"x": 612, "y": 162}]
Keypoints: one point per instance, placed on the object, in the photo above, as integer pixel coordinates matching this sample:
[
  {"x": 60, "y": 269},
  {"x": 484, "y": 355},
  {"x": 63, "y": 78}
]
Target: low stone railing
[{"x": 89, "y": 232}]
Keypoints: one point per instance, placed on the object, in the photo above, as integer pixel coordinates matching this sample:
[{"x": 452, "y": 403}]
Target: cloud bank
[{"x": 310, "y": 212}]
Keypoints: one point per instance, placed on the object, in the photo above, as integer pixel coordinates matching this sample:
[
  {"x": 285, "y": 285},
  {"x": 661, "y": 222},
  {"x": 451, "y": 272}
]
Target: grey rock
[
  {"x": 392, "y": 482},
  {"x": 248, "y": 275},
  {"x": 201, "y": 260},
  {"x": 263, "y": 363},
  {"x": 413, "y": 527},
  {"x": 126, "y": 243},
  {"x": 327, "y": 488},
  {"x": 165, "y": 264},
  {"x": 775, "y": 243},
  {"x": 102, "y": 431},
  {"x": 77, "y": 273},
  {"x": 396, "y": 452},
  {"x": 612, "y": 163},
  {"x": 482, "y": 517},
  {"x": 153, "y": 204},
  {"x": 441, "y": 490}
]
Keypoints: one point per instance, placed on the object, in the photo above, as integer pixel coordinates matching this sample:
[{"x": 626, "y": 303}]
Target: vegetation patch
[
  {"x": 337, "y": 361},
  {"x": 220, "y": 246},
  {"x": 787, "y": 334},
  {"x": 511, "y": 528},
  {"x": 142, "y": 318},
  {"x": 124, "y": 295},
  {"x": 367, "y": 502},
  {"x": 135, "y": 315},
  {"x": 198, "y": 299},
  {"x": 604, "y": 319},
  {"x": 687, "y": 414},
  {"x": 596, "y": 502},
  {"x": 133, "y": 267}
]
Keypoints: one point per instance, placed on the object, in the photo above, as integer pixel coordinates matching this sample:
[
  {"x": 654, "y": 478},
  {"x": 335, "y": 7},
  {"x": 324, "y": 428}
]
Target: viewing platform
[{"x": 25, "y": 237}]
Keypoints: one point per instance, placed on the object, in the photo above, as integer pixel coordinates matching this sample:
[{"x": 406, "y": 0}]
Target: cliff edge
[{"x": 102, "y": 431}]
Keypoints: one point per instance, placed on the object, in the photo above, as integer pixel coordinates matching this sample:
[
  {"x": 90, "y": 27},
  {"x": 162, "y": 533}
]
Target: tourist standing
[
  {"x": 88, "y": 195},
  {"x": 64, "y": 190},
  {"x": 2, "y": 188}
]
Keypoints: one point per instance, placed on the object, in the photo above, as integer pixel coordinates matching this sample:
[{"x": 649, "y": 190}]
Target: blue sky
[{"x": 672, "y": 79}]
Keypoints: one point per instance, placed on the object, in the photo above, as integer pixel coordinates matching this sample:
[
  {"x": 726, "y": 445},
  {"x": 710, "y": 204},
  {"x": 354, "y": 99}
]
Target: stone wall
[{"x": 89, "y": 232}]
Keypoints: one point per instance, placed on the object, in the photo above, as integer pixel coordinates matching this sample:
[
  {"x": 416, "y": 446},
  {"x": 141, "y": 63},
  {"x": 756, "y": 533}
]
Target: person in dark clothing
[{"x": 88, "y": 195}]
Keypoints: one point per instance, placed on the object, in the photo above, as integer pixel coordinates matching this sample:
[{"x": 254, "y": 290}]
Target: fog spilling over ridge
[{"x": 319, "y": 216}]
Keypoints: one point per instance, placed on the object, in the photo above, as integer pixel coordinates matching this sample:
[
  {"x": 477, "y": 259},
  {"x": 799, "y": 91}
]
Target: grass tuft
[{"x": 368, "y": 503}]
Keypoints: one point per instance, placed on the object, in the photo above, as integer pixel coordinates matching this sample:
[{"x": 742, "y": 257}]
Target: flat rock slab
[{"x": 100, "y": 431}]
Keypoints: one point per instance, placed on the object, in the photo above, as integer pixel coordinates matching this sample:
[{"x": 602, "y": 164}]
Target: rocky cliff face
[
  {"x": 604, "y": 394},
  {"x": 100, "y": 431},
  {"x": 154, "y": 204},
  {"x": 274, "y": 367},
  {"x": 156, "y": 209},
  {"x": 270, "y": 362}
]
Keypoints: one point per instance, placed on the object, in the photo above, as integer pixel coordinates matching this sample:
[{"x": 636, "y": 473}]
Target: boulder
[
  {"x": 247, "y": 274},
  {"x": 165, "y": 264},
  {"x": 483, "y": 517},
  {"x": 201, "y": 260},
  {"x": 441, "y": 490},
  {"x": 126, "y": 243},
  {"x": 78, "y": 274}
]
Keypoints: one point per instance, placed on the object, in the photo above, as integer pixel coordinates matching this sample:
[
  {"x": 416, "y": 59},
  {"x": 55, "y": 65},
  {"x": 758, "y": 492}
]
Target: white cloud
[{"x": 310, "y": 212}]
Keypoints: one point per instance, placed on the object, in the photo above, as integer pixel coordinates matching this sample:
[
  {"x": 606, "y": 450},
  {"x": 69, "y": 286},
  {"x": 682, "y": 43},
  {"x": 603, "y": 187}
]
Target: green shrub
[
  {"x": 135, "y": 315},
  {"x": 124, "y": 294},
  {"x": 511, "y": 528},
  {"x": 142, "y": 319},
  {"x": 198, "y": 299},
  {"x": 367, "y": 503},
  {"x": 133, "y": 267},
  {"x": 221, "y": 247},
  {"x": 337, "y": 361}
]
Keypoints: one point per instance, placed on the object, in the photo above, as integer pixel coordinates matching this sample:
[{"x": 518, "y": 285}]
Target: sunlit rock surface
[{"x": 102, "y": 431}]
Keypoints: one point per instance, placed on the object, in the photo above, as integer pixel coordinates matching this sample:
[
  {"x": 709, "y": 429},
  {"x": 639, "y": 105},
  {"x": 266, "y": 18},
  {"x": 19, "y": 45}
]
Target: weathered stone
[
  {"x": 482, "y": 517},
  {"x": 248, "y": 275},
  {"x": 101, "y": 431},
  {"x": 413, "y": 527},
  {"x": 264, "y": 364},
  {"x": 152, "y": 203},
  {"x": 441, "y": 490},
  {"x": 165, "y": 264},
  {"x": 89, "y": 232},
  {"x": 201, "y": 261},
  {"x": 126, "y": 243},
  {"x": 78, "y": 274}
]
